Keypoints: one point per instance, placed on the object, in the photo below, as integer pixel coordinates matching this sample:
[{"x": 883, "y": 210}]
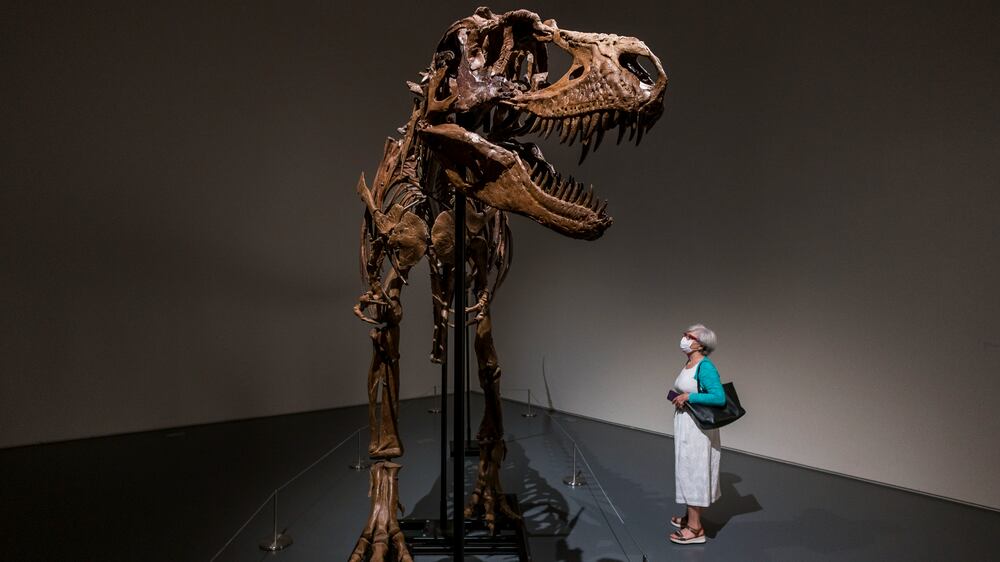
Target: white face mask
[{"x": 686, "y": 344}]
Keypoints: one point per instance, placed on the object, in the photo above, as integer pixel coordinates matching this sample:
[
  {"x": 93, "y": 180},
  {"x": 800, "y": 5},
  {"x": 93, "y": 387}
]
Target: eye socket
[
  {"x": 493, "y": 45},
  {"x": 633, "y": 63}
]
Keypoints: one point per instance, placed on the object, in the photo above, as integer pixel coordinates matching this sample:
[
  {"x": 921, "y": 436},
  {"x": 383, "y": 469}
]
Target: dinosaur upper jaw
[
  {"x": 514, "y": 177},
  {"x": 605, "y": 86}
]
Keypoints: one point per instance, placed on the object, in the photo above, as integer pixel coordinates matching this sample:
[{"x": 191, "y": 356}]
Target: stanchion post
[
  {"x": 278, "y": 541},
  {"x": 575, "y": 480},
  {"x": 361, "y": 464},
  {"x": 434, "y": 409}
]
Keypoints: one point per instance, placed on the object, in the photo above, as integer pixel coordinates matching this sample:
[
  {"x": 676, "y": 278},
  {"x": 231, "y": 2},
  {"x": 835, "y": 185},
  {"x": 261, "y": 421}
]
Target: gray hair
[{"x": 705, "y": 337}]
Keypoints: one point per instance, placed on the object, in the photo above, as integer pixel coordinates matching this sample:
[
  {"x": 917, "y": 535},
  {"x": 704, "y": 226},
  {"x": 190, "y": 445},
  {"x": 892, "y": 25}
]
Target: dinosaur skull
[{"x": 488, "y": 86}]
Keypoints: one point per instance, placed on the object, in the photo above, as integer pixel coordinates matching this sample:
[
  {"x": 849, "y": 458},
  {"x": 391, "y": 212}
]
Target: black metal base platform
[{"x": 427, "y": 537}]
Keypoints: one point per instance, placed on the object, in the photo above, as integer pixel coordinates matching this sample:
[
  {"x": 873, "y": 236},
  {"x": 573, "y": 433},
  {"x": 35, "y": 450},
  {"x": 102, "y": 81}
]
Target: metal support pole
[
  {"x": 458, "y": 513},
  {"x": 468, "y": 389},
  {"x": 361, "y": 464},
  {"x": 576, "y": 480},
  {"x": 278, "y": 541},
  {"x": 444, "y": 444}
]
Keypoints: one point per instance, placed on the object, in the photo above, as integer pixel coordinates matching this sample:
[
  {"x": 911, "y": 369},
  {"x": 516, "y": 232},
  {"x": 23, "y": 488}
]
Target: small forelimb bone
[
  {"x": 368, "y": 299},
  {"x": 358, "y": 312},
  {"x": 480, "y": 308}
]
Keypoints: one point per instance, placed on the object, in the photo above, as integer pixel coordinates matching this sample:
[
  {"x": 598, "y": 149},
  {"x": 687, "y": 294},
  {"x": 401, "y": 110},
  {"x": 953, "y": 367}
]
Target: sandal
[
  {"x": 697, "y": 538},
  {"x": 679, "y": 522}
]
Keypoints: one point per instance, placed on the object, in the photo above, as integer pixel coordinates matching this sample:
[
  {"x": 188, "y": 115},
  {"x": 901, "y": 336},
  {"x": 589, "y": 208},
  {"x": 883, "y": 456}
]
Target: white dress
[{"x": 696, "y": 452}]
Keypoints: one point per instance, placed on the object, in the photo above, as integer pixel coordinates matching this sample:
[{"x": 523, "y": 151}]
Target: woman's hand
[{"x": 681, "y": 399}]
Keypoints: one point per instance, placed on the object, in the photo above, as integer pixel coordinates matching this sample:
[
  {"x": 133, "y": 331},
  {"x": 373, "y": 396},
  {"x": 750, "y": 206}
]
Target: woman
[{"x": 696, "y": 451}]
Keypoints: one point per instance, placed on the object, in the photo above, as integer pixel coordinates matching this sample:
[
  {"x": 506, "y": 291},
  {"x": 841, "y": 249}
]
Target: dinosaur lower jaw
[
  {"x": 515, "y": 177},
  {"x": 541, "y": 193}
]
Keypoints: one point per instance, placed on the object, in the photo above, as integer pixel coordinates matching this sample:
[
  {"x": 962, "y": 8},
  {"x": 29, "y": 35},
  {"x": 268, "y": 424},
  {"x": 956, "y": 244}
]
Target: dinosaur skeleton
[{"x": 487, "y": 86}]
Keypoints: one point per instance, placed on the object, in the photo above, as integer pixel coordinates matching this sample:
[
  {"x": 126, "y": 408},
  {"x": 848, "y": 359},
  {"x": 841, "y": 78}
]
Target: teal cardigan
[{"x": 710, "y": 392}]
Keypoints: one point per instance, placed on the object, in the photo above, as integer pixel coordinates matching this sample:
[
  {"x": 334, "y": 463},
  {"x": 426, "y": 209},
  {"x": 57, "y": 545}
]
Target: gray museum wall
[{"x": 179, "y": 225}]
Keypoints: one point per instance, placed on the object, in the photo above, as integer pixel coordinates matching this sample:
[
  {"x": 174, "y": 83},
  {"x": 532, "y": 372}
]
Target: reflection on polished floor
[{"x": 179, "y": 495}]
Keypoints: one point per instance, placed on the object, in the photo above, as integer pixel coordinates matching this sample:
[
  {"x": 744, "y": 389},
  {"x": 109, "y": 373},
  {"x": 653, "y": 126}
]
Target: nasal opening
[{"x": 633, "y": 62}]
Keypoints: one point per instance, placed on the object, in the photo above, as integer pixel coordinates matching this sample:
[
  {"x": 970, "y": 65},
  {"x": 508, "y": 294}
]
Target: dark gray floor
[{"x": 180, "y": 495}]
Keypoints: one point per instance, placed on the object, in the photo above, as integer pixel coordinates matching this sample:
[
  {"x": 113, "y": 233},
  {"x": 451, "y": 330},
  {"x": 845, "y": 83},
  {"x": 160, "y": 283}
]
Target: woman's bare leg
[{"x": 694, "y": 517}]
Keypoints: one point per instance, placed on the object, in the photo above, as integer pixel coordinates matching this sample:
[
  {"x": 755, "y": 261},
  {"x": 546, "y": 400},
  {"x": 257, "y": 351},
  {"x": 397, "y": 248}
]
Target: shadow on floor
[
  {"x": 729, "y": 505},
  {"x": 545, "y": 510}
]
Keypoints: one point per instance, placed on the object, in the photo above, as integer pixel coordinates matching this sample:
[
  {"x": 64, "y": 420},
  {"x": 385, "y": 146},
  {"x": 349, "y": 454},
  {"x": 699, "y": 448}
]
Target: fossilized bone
[{"x": 487, "y": 86}]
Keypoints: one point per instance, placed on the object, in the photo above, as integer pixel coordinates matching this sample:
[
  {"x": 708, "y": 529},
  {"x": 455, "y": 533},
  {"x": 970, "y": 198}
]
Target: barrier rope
[
  {"x": 601, "y": 488},
  {"x": 282, "y": 487}
]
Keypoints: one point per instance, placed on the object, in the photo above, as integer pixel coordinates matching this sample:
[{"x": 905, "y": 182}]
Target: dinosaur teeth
[
  {"x": 536, "y": 124},
  {"x": 584, "y": 149},
  {"x": 540, "y": 175},
  {"x": 600, "y": 137},
  {"x": 607, "y": 120},
  {"x": 586, "y": 126},
  {"x": 574, "y": 127},
  {"x": 593, "y": 122},
  {"x": 527, "y": 126},
  {"x": 550, "y": 125},
  {"x": 570, "y": 192},
  {"x": 571, "y": 129},
  {"x": 564, "y": 133},
  {"x": 556, "y": 186},
  {"x": 563, "y": 189},
  {"x": 567, "y": 190}
]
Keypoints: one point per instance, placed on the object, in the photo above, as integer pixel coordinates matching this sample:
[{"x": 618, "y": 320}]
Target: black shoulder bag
[{"x": 713, "y": 417}]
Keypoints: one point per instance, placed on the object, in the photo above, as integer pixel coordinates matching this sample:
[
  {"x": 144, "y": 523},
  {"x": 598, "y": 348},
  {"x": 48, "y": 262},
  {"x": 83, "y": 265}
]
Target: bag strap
[{"x": 697, "y": 371}]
